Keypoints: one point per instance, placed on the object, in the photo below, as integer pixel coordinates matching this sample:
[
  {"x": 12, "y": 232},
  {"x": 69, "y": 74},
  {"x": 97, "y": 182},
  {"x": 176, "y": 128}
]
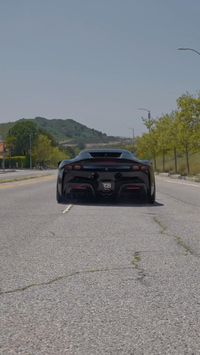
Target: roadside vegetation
[
  {"x": 46, "y": 141},
  {"x": 25, "y": 140},
  {"x": 173, "y": 140}
]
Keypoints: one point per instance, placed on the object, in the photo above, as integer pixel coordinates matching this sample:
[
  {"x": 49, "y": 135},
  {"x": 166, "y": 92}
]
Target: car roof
[{"x": 106, "y": 152}]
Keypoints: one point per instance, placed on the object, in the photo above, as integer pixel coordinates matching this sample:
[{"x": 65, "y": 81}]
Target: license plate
[{"x": 107, "y": 185}]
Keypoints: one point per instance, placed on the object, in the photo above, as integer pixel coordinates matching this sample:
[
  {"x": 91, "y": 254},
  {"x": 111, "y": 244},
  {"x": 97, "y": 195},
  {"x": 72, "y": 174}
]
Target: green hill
[
  {"x": 4, "y": 128},
  {"x": 64, "y": 131}
]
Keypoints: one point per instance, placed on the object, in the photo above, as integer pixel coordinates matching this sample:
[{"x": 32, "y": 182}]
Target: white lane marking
[
  {"x": 67, "y": 209},
  {"x": 182, "y": 183}
]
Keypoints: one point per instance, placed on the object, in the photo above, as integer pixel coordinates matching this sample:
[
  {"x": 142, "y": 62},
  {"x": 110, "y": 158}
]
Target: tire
[
  {"x": 151, "y": 198},
  {"x": 59, "y": 197}
]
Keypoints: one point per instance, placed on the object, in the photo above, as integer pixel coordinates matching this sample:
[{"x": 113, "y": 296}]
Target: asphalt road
[{"x": 99, "y": 279}]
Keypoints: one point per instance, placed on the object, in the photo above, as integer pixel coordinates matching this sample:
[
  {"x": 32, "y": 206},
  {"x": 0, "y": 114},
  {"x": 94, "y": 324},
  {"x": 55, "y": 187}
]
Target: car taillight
[
  {"x": 73, "y": 167},
  {"x": 68, "y": 167},
  {"x": 77, "y": 167},
  {"x": 140, "y": 168},
  {"x": 144, "y": 168},
  {"x": 135, "y": 167}
]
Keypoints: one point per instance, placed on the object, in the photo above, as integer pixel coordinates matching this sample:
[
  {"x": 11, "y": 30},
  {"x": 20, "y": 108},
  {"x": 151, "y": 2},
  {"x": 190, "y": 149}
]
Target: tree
[
  {"x": 42, "y": 150},
  {"x": 149, "y": 122},
  {"x": 178, "y": 132},
  {"x": 188, "y": 125},
  {"x": 166, "y": 131},
  {"x": 23, "y": 131},
  {"x": 147, "y": 147},
  {"x": 45, "y": 154},
  {"x": 173, "y": 137},
  {"x": 56, "y": 156},
  {"x": 10, "y": 147},
  {"x": 162, "y": 133}
]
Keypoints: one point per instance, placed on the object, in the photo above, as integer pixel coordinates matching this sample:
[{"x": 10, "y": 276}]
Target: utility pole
[
  {"x": 133, "y": 137},
  {"x": 4, "y": 156}
]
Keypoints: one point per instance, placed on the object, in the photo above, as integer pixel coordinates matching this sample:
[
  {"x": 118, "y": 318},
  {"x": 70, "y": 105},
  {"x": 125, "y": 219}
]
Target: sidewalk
[
  {"x": 194, "y": 178},
  {"x": 11, "y": 174}
]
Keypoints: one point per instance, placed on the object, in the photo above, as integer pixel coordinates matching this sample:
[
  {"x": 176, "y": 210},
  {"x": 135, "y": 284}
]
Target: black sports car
[{"x": 107, "y": 173}]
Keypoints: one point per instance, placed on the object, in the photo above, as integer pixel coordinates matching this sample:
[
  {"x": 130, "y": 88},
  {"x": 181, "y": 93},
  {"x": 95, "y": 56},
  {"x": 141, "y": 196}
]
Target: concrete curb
[
  {"x": 19, "y": 175},
  {"x": 7, "y": 171},
  {"x": 23, "y": 178}
]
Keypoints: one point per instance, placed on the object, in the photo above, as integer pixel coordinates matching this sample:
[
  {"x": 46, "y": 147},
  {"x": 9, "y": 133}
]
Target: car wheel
[
  {"x": 151, "y": 198},
  {"x": 59, "y": 197}
]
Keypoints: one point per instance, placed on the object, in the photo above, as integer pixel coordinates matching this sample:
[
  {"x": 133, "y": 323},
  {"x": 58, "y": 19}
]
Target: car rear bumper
[{"x": 105, "y": 184}]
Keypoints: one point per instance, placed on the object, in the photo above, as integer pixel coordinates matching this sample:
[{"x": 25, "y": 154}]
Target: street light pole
[
  {"x": 133, "y": 136},
  {"x": 188, "y": 49},
  {"x": 149, "y": 116}
]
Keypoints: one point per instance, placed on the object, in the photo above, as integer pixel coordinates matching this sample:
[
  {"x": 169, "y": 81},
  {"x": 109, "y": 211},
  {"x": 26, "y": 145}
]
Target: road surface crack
[
  {"x": 162, "y": 227},
  {"x": 136, "y": 262},
  {"x": 182, "y": 244},
  {"x": 179, "y": 241},
  {"x": 60, "y": 278}
]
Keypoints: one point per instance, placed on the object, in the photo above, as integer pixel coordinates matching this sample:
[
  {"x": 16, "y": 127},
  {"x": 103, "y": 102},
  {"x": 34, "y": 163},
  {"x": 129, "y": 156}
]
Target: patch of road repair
[{"x": 67, "y": 209}]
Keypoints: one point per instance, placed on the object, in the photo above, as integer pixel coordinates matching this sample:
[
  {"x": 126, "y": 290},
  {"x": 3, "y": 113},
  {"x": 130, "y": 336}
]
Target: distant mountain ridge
[{"x": 64, "y": 130}]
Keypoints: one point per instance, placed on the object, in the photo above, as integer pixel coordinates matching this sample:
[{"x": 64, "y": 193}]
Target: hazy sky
[{"x": 97, "y": 61}]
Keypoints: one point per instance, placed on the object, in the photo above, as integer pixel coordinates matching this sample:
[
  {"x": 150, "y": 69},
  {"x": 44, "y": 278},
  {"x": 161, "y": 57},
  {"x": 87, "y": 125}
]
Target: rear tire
[
  {"x": 60, "y": 198},
  {"x": 151, "y": 198}
]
